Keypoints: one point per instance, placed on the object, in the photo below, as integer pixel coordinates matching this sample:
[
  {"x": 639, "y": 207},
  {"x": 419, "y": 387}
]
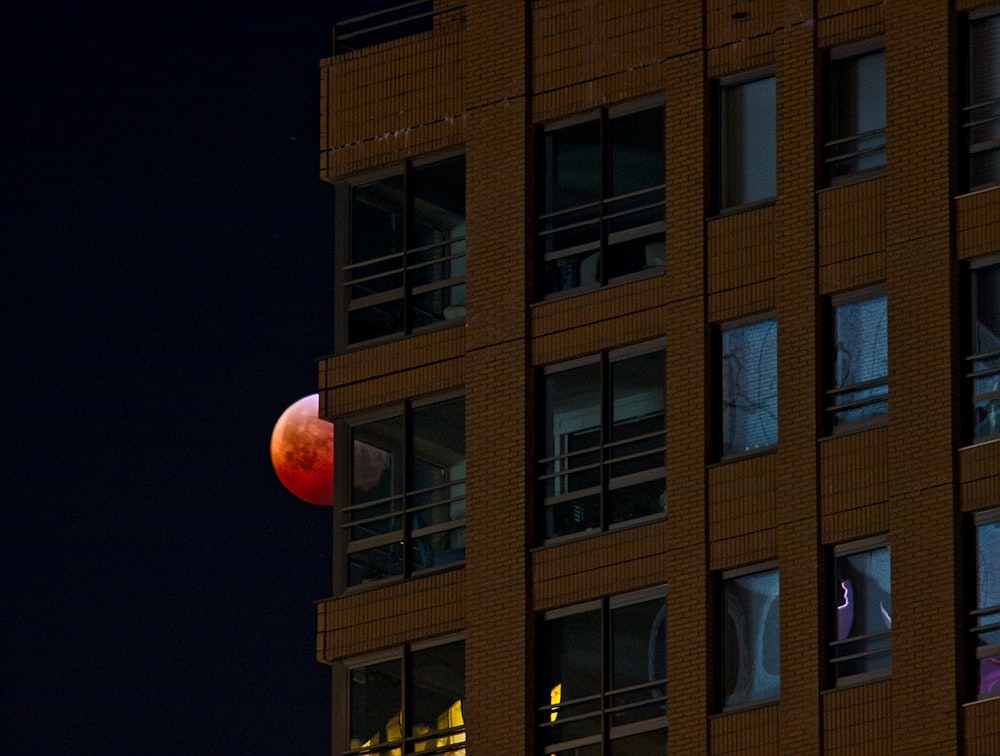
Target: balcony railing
[{"x": 391, "y": 23}]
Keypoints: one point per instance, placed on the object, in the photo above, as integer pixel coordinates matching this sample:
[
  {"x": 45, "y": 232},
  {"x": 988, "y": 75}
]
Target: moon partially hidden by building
[{"x": 302, "y": 452}]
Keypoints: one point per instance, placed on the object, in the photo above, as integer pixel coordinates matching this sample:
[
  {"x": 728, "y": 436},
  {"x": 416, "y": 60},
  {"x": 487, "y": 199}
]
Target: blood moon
[{"x": 302, "y": 452}]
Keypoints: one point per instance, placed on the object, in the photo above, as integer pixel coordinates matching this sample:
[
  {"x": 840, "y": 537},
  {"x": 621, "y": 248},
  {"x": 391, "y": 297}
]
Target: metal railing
[{"x": 389, "y": 24}]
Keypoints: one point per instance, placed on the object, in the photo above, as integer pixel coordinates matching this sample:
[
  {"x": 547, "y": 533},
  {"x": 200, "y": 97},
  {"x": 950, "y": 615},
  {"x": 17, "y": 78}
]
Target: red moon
[{"x": 302, "y": 452}]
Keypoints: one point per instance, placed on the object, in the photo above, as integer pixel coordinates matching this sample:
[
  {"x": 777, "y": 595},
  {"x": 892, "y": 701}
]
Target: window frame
[
  {"x": 721, "y": 578},
  {"x": 721, "y": 140},
  {"x": 407, "y": 290},
  {"x": 967, "y": 146},
  {"x": 830, "y": 387},
  {"x": 834, "y": 104},
  {"x": 849, "y": 548},
  {"x": 603, "y": 116},
  {"x": 546, "y": 710},
  {"x": 718, "y": 415},
  {"x": 969, "y": 357},
  {"x": 406, "y": 536},
  {"x": 405, "y": 743},
  {"x": 606, "y": 359},
  {"x": 975, "y": 650}
]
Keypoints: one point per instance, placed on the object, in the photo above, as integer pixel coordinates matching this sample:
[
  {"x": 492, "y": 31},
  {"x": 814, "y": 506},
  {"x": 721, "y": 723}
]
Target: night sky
[{"x": 167, "y": 287}]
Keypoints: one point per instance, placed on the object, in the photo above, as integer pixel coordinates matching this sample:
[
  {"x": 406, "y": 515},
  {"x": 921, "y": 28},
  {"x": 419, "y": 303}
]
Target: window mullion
[
  {"x": 607, "y": 417},
  {"x": 606, "y": 642},
  {"x": 606, "y": 169},
  {"x": 407, "y": 486}
]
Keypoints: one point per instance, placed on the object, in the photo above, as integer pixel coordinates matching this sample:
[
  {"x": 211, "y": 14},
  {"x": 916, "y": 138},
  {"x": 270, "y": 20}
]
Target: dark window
[
  {"x": 860, "y": 648},
  {"x": 746, "y": 149},
  {"x": 403, "y": 268},
  {"x": 749, "y": 637},
  {"x": 408, "y": 699},
  {"x": 407, "y": 509},
  {"x": 985, "y": 615},
  {"x": 982, "y": 354},
  {"x": 858, "y": 381},
  {"x": 601, "y": 198},
  {"x": 748, "y": 383},
  {"x": 855, "y": 139},
  {"x": 602, "y": 453},
  {"x": 981, "y": 111},
  {"x": 602, "y": 677}
]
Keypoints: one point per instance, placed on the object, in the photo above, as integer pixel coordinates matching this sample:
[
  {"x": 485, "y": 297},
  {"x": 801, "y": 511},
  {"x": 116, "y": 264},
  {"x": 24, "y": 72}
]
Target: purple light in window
[
  {"x": 989, "y": 675},
  {"x": 845, "y": 611}
]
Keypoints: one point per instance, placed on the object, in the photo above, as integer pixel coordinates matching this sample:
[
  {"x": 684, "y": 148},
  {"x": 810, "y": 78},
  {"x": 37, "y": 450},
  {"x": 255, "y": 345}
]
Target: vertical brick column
[
  {"x": 499, "y": 692},
  {"x": 797, "y": 517},
  {"x": 687, "y": 363},
  {"x": 922, "y": 390}
]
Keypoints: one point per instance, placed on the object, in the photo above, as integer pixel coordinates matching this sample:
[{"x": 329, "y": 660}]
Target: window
[
  {"x": 862, "y": 596},
  {"x": 407, "y": 509},
  {"x": 748, "y": 405},
  {"x": 746, "y": 148},
  {"x": 603, "y": 449},
  {"x": 981, "y": 111},
  {"x": 601, "y": 198},
  {"x": 407, "y": 701},
  {"x": 855, "y": 140},
  {"x": 982, "y": 354},
  {"x": 858, "y": 383},
  {"x": 602, "y": 677},
  {"x": 749, "y": 636},
  {"x": 402, "y": 258},
  {"x": 984, "y": 619}
]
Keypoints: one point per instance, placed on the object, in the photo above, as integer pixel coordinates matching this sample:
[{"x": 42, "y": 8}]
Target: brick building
[{"x": 647, "y": 314}]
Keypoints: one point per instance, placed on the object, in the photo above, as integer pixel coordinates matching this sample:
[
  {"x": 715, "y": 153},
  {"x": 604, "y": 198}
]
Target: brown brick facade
[{"x": 485, "y": 82}]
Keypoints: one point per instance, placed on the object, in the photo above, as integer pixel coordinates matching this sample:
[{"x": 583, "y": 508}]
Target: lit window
[
  {"x": 981, "y": 111},
  {"x": 982, "y": 355},
  {"x": 746, "y": 149},
  {"x": 862, "y": 617},
  {"x": 855, "y": 139},
  {"x": 749, "y": 386},
  {"x": 749, "y": 670},
  {"x": 407, "y": 509},
  {"x": 601, "y": 198},
  {"x": 408, "y": 699},
  {"x": 858, "y": 385},
  {"x": 602, "y": 677},
  {"x": 402, "y": 250},
  {"x": 985, "y": 616},
  {"x": 602, "y": 452}
]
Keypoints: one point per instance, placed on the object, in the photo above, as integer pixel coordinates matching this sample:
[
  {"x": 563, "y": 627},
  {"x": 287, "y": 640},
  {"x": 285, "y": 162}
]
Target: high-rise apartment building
[{"x": 651, "y": 317}]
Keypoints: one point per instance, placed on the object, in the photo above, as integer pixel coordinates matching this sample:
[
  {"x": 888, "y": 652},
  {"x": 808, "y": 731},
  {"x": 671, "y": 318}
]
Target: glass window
[
  {"x": 985, "y": 616},
  {"x": 748, "y": 406},
  {"x": 602, "y": 452},
  {"x": 601, "y": 198},
  {"x": 855, "y": 139},
  {"x": 982, "y": 355},
  {"x": 859, "y": 370},
  {"x": 405, "y": 263},
  {"x": 412, "y": 699},
  {"x": 407, "y": 510},
  {"x": 749, "y": 637},
  {"x": 981, "y": 111},
  {"x": 602, "y": 677},
  {"x": 747, "y": 143},
  {"x": 862, "y": 597}
]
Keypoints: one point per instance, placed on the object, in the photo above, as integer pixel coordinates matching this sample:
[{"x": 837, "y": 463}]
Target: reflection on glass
[
  {"x": 601, "y": 199},
  {"x": 603, "y": 677},
  {"x": 749, "y": 150},
  {"x": 863, "y": 595},
  {"x": 981, "y": 114},
  {"x": 986, "y": 616},
  {"x": 749, "y": 387},
  {"x": 375, "y": 706},
  {"x": 750, "y": 638},
  {"x": 984, "y": 356},
  {"x": 861, "y": 361}
]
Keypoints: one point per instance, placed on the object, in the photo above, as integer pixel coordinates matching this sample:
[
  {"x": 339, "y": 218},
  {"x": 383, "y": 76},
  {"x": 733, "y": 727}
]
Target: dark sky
[{"x": 166, "y": 288}]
